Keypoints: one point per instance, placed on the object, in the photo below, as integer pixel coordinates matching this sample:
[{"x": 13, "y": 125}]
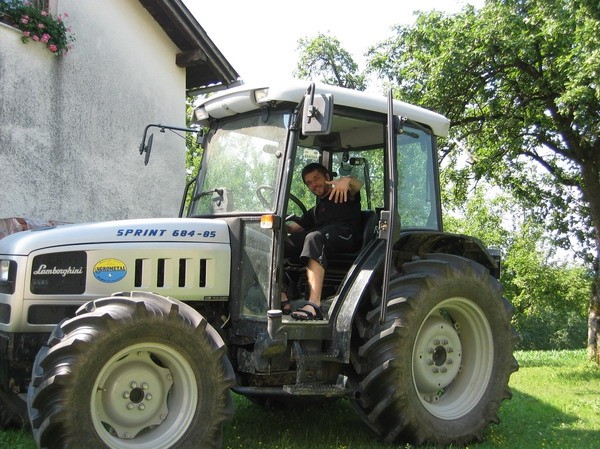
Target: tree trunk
[
  {"x": 594, "y": 319},
  {"x": 590, "y": 169}
]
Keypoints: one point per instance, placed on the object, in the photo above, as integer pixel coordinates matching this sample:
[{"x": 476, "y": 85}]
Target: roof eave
[{"x": 207, "y": 69}]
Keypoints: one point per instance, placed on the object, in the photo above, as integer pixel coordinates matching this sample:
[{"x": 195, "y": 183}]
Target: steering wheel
[{"x": 262, "y": 188}]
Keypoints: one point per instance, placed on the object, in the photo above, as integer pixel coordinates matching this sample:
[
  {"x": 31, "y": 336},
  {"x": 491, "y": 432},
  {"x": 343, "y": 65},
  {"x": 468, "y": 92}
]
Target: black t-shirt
[{"x": 326, "y": 212}]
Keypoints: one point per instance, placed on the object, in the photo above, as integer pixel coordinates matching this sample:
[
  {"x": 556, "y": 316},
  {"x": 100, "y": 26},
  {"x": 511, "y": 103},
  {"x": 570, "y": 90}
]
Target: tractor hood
[{"x": 180, "y": 230}]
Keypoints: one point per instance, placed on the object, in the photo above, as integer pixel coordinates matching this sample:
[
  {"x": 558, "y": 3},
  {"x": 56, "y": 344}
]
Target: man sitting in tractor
[{"x": 332, "y": 225}]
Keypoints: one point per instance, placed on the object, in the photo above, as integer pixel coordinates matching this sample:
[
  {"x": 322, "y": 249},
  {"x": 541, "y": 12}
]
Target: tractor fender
[{"x": 367, "y": 270}]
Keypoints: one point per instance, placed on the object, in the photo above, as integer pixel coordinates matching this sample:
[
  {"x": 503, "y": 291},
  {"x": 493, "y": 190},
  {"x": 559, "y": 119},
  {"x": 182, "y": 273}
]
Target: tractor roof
[{"x": 250, "y": 97}]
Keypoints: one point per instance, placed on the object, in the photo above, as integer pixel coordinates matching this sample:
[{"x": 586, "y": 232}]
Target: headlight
[
  {"x": 8, "y": 274},
  {"x": 4, "y": 270}
]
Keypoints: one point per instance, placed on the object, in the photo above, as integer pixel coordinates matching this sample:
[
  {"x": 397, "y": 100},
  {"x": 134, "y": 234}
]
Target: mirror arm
[{"x": 146, "y": 147}]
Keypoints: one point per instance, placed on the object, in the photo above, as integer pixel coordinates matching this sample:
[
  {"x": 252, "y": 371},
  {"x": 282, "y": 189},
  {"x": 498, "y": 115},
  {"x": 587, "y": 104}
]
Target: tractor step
[{"x": 327, "y": 390}]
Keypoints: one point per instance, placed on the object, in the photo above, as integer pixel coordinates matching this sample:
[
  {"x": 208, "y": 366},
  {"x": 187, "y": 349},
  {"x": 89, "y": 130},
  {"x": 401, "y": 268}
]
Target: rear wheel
[
  {"x": 437, "y": 369},
  {"x": 139, "y": 371}
]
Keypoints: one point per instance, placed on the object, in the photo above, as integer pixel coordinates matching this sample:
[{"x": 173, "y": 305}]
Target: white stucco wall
[{"x": 70, "y": 126}]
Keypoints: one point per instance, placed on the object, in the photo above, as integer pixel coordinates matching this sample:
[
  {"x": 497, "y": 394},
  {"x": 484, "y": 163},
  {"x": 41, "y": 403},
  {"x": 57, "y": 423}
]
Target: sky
[{"x": 259, "y": 38}]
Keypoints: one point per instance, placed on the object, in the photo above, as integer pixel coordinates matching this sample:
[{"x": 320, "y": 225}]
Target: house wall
[{"x": 70, "y": 126}]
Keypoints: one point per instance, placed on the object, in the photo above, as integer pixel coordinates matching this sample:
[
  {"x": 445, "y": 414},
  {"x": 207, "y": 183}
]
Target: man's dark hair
[{"x": 315, "y": 166}]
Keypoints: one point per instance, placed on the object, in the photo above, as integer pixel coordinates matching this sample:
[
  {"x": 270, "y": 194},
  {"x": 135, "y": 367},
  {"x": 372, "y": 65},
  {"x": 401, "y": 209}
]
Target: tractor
[{"x": 134, "y": 333}]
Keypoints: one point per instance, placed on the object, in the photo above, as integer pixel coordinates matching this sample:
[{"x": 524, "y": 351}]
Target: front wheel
[
  {"x": 437, "y": 369},
  {"x": 139, "y": 371}
]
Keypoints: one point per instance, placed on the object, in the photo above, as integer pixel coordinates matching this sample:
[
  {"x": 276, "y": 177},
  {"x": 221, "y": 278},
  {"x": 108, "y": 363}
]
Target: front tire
[
  {"x": 139, "y": 371},
  {"x": 438, "y": 368}
]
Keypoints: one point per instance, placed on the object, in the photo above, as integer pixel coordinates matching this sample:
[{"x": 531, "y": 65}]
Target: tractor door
[
  {"x": 412, "y": 187},
  {"x": 389, "y": 220}
]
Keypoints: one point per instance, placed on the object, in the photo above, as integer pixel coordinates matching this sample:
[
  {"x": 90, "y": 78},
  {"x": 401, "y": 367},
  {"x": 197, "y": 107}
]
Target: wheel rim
[
  {"x": 453, "y": 358},
  {"x": 144, "y": 396}
]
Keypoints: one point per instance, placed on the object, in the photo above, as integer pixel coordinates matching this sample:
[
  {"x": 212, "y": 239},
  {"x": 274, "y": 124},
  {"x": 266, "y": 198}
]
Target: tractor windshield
[{"x": 240, "y": 166}]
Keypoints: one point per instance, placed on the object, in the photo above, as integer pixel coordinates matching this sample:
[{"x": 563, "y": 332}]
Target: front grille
[
  {"x": 59, "y": 273},
  {"x": 170, "y": 273},
  {"x": 4, "y": 313},
  {"x": 49, "y": 314}
]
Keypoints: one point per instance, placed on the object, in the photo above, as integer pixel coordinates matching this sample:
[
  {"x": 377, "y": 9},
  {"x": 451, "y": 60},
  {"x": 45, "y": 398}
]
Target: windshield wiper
[{"x": 208, "y": 192}]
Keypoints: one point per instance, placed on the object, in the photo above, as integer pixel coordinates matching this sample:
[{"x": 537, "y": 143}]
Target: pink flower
[
  {"x": 44, "y": 13},
  {"x": 26, "y": 33},
  {"x": 36, "y": 38},
  {"x": 24, "y": 20},
  {"x": 41, "y": 26},
  {"x": 45, "y": 38},
  {"x": 53, "y": 48}
]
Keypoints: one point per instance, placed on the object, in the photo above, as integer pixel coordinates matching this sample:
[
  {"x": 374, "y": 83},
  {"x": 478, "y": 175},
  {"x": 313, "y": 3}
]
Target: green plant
[{"x": 39, "y": 25}]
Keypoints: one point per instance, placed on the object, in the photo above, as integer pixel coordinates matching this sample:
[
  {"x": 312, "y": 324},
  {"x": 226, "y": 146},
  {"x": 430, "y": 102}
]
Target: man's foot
[
  {"x": 308, "y": 315},
  {"x": 286, "y": 306}
]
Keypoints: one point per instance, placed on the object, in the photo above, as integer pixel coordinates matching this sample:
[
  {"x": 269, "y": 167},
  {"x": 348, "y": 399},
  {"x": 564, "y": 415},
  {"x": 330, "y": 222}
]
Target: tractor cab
[{"x": 256, "y": 144}]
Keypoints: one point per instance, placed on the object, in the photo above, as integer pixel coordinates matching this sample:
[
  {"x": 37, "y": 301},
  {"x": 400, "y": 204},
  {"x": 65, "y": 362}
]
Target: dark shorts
[{"x": 338, "y": 238}]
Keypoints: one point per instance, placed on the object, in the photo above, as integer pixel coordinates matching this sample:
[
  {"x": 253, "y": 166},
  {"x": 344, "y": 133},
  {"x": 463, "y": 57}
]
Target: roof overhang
[{"x": 206, "y": 67}]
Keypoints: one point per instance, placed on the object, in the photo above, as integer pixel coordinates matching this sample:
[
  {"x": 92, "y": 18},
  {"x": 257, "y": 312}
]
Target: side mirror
[
  {"x": 317, "y": 114},
  {"x": 148, "y": 149}
]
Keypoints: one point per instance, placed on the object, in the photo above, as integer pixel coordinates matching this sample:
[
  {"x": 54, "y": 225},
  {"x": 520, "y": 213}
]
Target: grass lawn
[{"x": 556, "y": 404}]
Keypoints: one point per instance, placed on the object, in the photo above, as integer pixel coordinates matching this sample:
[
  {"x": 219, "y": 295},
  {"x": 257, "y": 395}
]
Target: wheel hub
[
  {"x": 132, "y": 394},
  {"x": 437, "y": 357}
]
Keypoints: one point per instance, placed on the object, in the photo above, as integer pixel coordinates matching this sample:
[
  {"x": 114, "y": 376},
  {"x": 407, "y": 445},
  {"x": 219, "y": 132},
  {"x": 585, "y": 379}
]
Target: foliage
[
  {"x": 323, "y": 57},
  {"x": 549, "y": 299},
  {"x": 39, "y": 25},
  {"x": 519, "y": 81},
  {"x": 194, "y": 150}
]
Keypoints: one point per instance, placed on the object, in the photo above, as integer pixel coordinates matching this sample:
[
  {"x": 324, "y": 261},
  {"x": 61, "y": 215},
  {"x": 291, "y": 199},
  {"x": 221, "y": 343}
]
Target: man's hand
[
  {"x": 340, "y": 189},
  {"x": 293, "y": 227}
]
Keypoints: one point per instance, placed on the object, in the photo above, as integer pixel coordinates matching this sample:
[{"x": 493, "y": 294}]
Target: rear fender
[{"x": 368, "y": 268}]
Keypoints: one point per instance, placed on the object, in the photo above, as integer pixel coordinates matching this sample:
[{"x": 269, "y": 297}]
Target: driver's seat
[{"x": 338, "y": 264}]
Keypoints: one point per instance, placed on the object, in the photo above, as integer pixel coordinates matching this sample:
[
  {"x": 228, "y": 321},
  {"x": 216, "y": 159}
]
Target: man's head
[{"x": 316, "y": 178}]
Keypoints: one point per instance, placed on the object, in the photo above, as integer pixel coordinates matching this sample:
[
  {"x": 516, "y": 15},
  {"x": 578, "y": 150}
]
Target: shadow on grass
[
  {"x": 527, "y": 422},
  {"x": 334, "y": 425}
]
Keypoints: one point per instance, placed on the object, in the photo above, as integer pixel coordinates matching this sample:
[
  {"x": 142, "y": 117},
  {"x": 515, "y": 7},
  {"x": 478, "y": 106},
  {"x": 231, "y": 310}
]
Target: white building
[{"x": 71, "y": 125}]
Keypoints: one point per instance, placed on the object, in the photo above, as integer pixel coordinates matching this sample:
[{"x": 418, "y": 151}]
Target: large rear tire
[
  {"x": 138, "y": 371},
  {"x": 438, "y": 368}
]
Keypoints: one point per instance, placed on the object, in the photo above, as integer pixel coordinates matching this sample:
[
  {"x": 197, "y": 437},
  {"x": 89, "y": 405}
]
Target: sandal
[
  {"x": 286, "y": 307},
  {"x": 305, "y": 315}
]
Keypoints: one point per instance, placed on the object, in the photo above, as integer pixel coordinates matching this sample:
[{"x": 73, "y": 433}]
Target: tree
[
  {"x": 323, "y": 57},
  {"x": 519, "y": 80}
]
